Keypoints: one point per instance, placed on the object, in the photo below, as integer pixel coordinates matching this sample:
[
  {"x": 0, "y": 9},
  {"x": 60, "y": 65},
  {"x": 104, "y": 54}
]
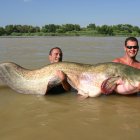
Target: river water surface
[{"x": 64, "y": 116}]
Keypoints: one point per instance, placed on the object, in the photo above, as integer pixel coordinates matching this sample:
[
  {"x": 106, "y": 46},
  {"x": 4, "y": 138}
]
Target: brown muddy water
[{"x": 64, "y": 116}]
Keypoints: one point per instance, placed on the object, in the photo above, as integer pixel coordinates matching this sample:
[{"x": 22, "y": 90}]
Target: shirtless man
[
  {"x": 56, "y": 55},
  {"x": 131, "y": 49}
]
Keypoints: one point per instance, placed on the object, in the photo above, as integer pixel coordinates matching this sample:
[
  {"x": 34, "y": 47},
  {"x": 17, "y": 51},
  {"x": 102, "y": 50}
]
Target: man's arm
[
  {"x": 116, "y": 60},
  {"x": 64, "y": 81}
]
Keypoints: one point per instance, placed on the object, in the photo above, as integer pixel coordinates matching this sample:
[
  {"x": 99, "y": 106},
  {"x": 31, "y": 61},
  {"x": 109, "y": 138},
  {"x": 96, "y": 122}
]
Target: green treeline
[{"x": 70, "y": 30}]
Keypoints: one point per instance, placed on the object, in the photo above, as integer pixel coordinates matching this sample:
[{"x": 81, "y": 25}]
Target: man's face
[
  {"x": 131, "y": 49},
  {"x": 55, "y": 56}
]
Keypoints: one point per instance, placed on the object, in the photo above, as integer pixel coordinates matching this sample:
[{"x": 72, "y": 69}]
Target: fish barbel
[{"x": 89, "y": 80}]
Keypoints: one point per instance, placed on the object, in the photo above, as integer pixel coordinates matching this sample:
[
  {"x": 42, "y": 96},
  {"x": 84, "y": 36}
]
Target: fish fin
[
  {"x": 82, "y": 97},
  {"x": 82, "y": 93},
  {"x": 109, "y": 85}
]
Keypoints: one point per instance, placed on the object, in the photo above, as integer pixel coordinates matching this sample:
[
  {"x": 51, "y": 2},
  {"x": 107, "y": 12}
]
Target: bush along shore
[{"x": 70, "y": 30}]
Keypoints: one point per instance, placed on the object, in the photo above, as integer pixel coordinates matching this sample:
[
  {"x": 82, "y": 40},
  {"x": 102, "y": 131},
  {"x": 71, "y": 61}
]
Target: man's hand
[
  {"x": 61, "y": 75},
  {"x": 63, "y": 78}
]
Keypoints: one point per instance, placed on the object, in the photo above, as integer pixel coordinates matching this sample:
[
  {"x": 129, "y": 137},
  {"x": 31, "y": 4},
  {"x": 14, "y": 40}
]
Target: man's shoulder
[
  {"x": 137, "y": 64},
  {"x": 119, "y": 60}
]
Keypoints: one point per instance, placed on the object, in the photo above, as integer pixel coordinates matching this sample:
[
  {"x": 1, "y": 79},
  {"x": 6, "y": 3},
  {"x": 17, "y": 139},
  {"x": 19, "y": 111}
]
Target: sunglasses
[{"x": 130, "y": 47}]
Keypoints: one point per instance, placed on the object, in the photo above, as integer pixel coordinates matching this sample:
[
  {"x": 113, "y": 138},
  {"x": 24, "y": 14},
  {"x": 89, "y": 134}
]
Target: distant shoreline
[
  {"x": 70, "y": 30},
  {"x": 38, "y": 36}
]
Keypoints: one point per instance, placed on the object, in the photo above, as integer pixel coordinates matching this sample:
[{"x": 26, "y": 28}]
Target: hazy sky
[{"x": 82, "y": 12}]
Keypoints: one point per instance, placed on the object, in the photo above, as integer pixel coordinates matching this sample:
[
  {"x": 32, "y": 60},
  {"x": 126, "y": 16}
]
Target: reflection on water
[{"x": 64, "y": 116}]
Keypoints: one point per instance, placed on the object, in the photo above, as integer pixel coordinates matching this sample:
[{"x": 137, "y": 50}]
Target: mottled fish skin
[{"x": 89, "y": 80}]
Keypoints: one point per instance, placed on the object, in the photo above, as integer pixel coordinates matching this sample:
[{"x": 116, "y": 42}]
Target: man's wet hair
[
  {"x": 131, "y": 39},
  {"x": 53, "y": 49}
]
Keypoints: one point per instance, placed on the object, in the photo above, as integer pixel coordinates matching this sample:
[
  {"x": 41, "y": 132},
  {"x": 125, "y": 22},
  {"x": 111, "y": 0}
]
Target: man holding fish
[
  {"x": 89, "y": 80},
  {"x": 131, "y": 48}
]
